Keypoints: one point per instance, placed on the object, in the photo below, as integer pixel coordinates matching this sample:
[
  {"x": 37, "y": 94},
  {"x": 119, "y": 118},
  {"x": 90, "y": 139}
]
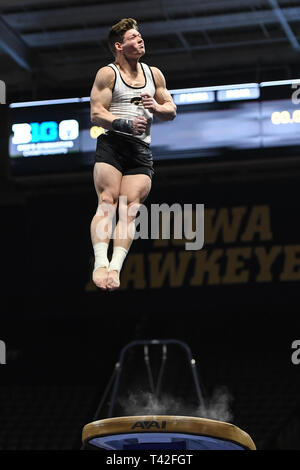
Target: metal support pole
[
  {"x": 191, "y": 361},
  {"x": 285, "y": 25}
]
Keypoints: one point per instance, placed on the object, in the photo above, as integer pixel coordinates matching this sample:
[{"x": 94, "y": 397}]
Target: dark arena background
[{"x": 233, "y": 71}]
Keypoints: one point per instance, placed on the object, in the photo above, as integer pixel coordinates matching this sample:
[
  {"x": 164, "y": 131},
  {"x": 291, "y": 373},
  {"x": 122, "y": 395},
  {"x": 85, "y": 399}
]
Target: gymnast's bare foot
[
  {"x": 100, "y": 276},
  {"x": 113, "y": 280}
]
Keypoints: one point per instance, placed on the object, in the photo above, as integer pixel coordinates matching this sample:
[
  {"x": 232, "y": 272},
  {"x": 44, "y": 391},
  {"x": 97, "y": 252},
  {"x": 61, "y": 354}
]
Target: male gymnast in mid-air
[{"x": 125, "y": 96}]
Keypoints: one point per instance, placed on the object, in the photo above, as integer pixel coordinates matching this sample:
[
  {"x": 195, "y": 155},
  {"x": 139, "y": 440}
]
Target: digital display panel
[
  {"x": 209, "y": 121},
  {"x": 234, "y": 125}
]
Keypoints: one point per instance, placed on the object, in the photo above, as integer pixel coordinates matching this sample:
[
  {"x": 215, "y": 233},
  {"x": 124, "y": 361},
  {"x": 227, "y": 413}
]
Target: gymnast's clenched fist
[
  {"x": 149, "y": 102},
  {"x": 139, "y": 125}
]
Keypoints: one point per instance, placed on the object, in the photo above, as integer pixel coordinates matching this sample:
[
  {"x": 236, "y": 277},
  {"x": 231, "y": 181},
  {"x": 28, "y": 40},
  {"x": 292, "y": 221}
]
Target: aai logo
[
  {"x": 47, "y": 131},
  {"x": 149, "y": 425}
]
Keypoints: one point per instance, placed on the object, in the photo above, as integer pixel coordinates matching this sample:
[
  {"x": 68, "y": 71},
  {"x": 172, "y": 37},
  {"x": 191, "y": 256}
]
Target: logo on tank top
[{"x": 137, "y": 100}]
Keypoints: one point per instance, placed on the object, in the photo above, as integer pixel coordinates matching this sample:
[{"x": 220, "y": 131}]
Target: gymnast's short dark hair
[{"x": 118, "y": 30}]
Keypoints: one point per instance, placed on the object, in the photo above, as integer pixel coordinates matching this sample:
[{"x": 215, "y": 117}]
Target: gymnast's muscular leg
[
  {"x": 136, "y": 189},
  {"x": 107, "y": 181}
]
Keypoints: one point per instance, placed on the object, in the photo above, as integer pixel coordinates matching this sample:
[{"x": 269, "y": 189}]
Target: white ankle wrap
[
  {"x": 101, "y": 260},
  {"x": 118, "y": 257}
]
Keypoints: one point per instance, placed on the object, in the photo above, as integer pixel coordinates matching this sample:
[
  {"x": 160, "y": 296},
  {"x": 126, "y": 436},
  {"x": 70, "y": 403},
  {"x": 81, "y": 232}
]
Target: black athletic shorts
[{"x": 127, "y": 154}]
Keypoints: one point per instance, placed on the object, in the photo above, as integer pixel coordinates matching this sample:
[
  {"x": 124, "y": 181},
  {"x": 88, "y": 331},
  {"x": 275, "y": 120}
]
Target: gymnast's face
[{"x": 133, "y": 44}]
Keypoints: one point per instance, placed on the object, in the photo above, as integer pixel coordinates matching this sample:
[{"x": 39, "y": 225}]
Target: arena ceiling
[{"x": 53, "y": 48}]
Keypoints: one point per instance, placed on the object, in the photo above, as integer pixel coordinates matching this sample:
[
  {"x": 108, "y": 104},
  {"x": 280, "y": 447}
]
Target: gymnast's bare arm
[
  {"x": 101, "y": 96},
  {"x": 162, "y": 104}
]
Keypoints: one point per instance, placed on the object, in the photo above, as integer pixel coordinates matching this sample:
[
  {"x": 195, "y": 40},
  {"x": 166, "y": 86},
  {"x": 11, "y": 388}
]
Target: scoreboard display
[{"x": 58, "y": 135}]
